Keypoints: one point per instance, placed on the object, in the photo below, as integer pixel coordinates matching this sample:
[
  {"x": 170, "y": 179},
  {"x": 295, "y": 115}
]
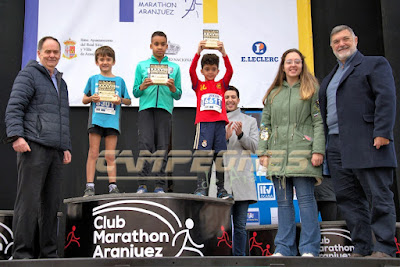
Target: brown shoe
[
  {"x": 378, "y": 254},
  {"x": 356, "y": 255}
]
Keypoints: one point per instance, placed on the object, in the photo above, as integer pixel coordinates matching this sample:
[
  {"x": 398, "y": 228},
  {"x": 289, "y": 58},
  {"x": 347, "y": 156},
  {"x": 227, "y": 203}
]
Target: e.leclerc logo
[{"x": 259, "y": 48}]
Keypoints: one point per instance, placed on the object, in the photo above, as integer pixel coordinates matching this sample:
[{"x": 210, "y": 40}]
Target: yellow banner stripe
[
  {"x": 210, "y": 11},
  {"x": 305, "y": 32}
]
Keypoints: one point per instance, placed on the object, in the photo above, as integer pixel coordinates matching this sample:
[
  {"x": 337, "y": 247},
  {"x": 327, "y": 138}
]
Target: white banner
[{"x": 255, "y": 34}]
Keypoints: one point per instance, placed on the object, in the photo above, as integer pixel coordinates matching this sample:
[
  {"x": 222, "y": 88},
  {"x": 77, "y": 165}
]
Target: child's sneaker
[
  {"x": 114, "y": 190},
  {"x": 223, "y": 194},
  {"x": 200, "y": 192},
  {"x": 89, "y": 191},
  {"x": 159, "y": 190},
  {"x": 141, "y": 189}
]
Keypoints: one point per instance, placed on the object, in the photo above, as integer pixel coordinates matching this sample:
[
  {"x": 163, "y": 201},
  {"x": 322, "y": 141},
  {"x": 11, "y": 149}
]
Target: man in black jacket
[
  {"x": 358, "y": 107},
  {"x": 37, "y": 121}
]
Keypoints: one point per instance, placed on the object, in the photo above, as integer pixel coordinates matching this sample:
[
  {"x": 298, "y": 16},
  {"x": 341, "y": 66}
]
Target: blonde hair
[{"x": 307, "y": 81}]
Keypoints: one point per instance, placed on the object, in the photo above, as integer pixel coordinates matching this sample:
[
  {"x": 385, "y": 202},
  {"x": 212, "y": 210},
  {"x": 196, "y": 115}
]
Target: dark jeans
[
  {"x": 37, "y": 202},
  {"x": 154, "y": 132},
  {"x": 366, "y": 202},
  {"x": 239, "y": 218}
]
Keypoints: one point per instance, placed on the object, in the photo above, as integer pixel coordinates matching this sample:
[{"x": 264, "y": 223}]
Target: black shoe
[
  {"x": 379, "y": 254},
  {"x": 115, "y": 190},
  {"x": 89, "y": 191},
  {"x": 200, "y": 192},
  {"x": 223, "y": 194}
]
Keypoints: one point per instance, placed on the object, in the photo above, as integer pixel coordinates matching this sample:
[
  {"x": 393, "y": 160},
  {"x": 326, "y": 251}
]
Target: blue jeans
[
  {"x": 285, "y": 240},
  {"x": 239, "y": 218}
]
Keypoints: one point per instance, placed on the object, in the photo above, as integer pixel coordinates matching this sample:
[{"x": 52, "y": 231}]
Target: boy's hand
[
  {"x": 118, "y": 101},
  {"x": 95, "y": 98},
  {"x": 202, "y": 45},
  {"x": 146, "y": 83},
  {"x": 221, "y": 48},
  {"x": 171, "y": 85}
]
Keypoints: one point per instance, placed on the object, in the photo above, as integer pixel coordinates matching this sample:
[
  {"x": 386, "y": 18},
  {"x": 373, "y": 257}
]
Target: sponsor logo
[
  {"x": 335, "y": 242},
  {"x": 70, "y": 49},
  {"x": 6, "y": 242},
  {"x": 265, "y": 192},
  {"x": 259, "y": 48},
  {"x": 115, "y": 235},
  {"x": 253, "y": 216}
]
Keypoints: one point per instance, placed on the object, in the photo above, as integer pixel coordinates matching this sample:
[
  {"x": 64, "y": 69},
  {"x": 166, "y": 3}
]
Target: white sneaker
[
  {"x": 307, "y": 255},
  {"x": 277, "y": 254}
]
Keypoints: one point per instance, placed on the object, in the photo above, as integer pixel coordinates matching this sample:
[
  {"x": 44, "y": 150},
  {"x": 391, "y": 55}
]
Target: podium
[{"x": 147, "y": 225}]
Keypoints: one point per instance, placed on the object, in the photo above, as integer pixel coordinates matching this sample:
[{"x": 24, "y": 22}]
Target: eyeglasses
[{"x": 296, "y": 61}]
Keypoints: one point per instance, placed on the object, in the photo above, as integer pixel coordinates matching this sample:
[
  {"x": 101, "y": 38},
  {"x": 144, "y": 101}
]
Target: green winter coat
[{"x": 291, "y": 131}]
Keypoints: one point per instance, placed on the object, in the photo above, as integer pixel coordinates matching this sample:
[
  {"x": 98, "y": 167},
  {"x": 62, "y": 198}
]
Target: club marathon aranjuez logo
[
  {"x": 6, "y": 242},
  {"x": 125, "y": 228},
  {"x": 335, "y": 242}
]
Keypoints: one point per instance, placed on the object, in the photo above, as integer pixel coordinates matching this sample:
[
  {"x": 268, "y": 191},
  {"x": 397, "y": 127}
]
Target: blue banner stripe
[
  {"x": 30, "y": 31},
  {"x": 126, "y": 10}
]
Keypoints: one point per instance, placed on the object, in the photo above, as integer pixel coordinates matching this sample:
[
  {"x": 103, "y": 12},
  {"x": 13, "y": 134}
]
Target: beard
[{"x": 344, "y": 55}]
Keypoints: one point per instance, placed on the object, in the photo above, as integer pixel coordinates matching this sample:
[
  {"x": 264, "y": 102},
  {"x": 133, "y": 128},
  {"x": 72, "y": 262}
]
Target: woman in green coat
[{"x": 292, "y": 147}]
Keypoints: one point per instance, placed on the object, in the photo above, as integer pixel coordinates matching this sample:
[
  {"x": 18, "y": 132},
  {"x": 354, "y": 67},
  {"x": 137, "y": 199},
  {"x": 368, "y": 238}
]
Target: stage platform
[{"x": 206, "y": 261}]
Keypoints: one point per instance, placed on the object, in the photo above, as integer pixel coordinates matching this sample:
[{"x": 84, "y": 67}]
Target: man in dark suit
[{"x": 358, "y": 101}]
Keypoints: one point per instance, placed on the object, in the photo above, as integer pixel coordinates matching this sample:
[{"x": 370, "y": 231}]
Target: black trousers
[
  {"x": 366, "y": 202},
  {"x": 37, "y": 202},
  {"x": 154, "y": 131}
]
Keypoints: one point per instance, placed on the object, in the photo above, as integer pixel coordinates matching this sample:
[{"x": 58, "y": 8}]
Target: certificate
[
  {"x": 159, "y": 73},
  {"x": 106, "y": 91},
  {"x": 212, "y": 38}
]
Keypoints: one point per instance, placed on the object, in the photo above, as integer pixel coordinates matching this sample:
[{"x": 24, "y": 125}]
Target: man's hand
[
  {"x": 238, "y": 128},
  {"x": 146, "y": 83},
  {"x": 380, "y": 141},
  {"x": 20, "y": 145},
  {"x": 67, "y": 157},
  {"x": 317, "y": 159},
  {"x": 171, "y": 85},
  {"x": 229, "y": 130}
]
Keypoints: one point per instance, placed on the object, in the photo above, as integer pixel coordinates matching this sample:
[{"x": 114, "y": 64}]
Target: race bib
[
  {"x": 211, "y": 102},
  {"x": 105, "y": 107}
]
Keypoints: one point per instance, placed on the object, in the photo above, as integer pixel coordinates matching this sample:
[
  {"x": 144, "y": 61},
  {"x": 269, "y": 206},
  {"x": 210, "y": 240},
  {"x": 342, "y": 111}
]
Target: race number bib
[
  {"x": 105, "y": 107},
  {"x": 211, "y": 102}
]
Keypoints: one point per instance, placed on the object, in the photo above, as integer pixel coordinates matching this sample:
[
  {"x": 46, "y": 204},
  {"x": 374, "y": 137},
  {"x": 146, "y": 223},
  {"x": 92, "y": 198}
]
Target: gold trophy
[
  {"x": 159, "y": 73},
  {"x": 106, "y": 91},
  {"x": 212, "y": 38}
]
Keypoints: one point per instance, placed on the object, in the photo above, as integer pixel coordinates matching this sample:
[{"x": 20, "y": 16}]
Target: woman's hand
[
  {"x": 264, "y": 161},
  {"x": 317, "y": 159}
]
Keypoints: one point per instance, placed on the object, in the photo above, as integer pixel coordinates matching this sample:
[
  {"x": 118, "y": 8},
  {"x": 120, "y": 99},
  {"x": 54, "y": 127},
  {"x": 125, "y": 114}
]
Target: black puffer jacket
[{"x": 35, "y": 111}]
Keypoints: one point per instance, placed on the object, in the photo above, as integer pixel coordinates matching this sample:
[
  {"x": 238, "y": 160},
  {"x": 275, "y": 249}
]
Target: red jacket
[{"x": 210, "y": 94}]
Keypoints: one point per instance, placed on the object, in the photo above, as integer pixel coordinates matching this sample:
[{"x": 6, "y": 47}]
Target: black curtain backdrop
[{"x": 375, "y": 22}]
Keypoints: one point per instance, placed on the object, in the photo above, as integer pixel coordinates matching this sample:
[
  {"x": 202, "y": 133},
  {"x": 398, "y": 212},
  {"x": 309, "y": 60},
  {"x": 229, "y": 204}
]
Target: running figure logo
[
  {"x": 72, "y": 238},
  {"x": 224, "y": 238},
  {"x": 189, "y": 225}
]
